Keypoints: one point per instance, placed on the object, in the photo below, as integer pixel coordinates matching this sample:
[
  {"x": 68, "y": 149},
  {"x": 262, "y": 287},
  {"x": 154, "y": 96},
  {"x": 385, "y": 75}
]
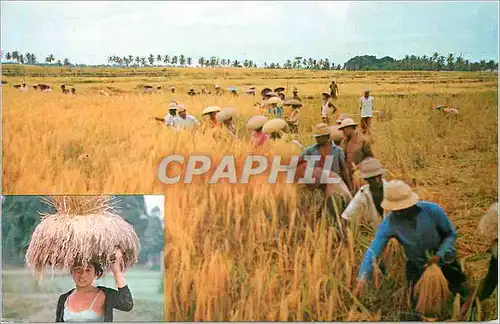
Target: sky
[{"x": 89, "y": 32}]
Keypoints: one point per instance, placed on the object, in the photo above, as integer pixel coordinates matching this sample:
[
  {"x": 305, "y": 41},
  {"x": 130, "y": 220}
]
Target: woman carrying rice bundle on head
[
  {"x": 255, "y": 123},
  {"x": 86, "y": 238}
]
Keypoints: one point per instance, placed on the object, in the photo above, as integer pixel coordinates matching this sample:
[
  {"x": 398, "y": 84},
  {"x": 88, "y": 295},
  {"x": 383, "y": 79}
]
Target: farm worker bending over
[
  {"x": 488, "y": 227},
  {"x": 255, "y": 123},
  {"x": 356, "y": 149},
  {"x": 366, "y": 204},
  {"x": 293, "y": 119},
  {"x": 211, "y": 112},
  {"x": 225, "y": 117},
  {"x": 334, "y": 89},
  {"x": 327, "y": 107},
  {"x": 184, "y": 120},
  {"x": 323, "y": 148},
  {"x": 366, "y": 109},
  {"x": 423, "y": 229}
]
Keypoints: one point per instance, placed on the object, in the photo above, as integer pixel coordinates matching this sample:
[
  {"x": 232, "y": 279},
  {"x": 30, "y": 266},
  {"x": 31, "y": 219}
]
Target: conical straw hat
[
  {"x": 256, "y": 121},
  {"x": 210, "y": 109},
  {"x": 273, "y": 100},
  {"x": 84, "y": 229},
  {"x": 293, "y": 102},
  {"x": 274, "y": 125},
  {"x": 226, "y": 114}
]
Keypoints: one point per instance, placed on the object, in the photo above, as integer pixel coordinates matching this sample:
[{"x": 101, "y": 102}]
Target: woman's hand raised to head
[{"x": 116, "y": 266}]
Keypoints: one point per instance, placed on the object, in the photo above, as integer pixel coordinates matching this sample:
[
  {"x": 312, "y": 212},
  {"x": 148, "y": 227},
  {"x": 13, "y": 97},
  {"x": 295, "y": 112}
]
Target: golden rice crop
[
  {"x": 432, "y": 291},
  {"x": 275, "y": 251},
  {"x": 84, "y": 229}
]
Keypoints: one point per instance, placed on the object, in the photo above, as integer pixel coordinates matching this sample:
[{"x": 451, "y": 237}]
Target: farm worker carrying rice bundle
[
  {"x": 211, "y": 112},
  {"x": 225, "y": 117},
  {"x": 427, "y": 235},
  {"x": 356, "y": 149},
  {"x": 366, "y": 106},
  {"x": 324, "y": 148},
  {"x": 293, "y": 119},
  {"x": 278, "y": 129},
  {"x": 279, "y": 92},
  {"x": 334, "y": 90},
  {"x": 327, "y": 108},
  {"x": 88, "y": 239},
  {"x": 233, "y": 91},
  {"x": 273, "y": 106},
  {"x": 183, "y": 119},
  {"x": 255, "y": 123},
  {"x": 366, "y": 205},
  {"x": 488, "y": 228}
]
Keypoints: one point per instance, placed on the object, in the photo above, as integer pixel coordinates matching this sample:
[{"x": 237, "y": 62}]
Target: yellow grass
[{"x": 258, "y": 252}]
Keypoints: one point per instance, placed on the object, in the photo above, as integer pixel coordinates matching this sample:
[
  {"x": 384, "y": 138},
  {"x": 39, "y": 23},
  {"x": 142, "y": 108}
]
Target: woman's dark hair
[
  {"x": 99, "y": 271},
  {"x": 258, "y": 129}
]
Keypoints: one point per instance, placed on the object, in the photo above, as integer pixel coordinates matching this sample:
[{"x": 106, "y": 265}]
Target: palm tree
[
  {"x": 201, "y": 61},
  {"x": 166, "y": 59},
  {"x": 15, "y": 55},
  {"x": 297, "y": 62},
  {"x": 173, "y": 60},
  {"x": 66, "y": 62},
  {"x": 213, "y": 61},
  {"x": 137, "y": 60},
  {"x": 8, "y": 57},
  {"x": 151, "y": 59},
  {"x": 189, "y": 61},
  {"x": 159, "y": 59},
  {"x": 449, "y": 62},
  {"x": 21, "y": 58},
  {"x": 49, "y": 59},
  {"x": 440, "y": 62},
  {"x": 111, "y": 59},
  {"x": 144, "y": 61},
  {"x": 182, "y": 60}
]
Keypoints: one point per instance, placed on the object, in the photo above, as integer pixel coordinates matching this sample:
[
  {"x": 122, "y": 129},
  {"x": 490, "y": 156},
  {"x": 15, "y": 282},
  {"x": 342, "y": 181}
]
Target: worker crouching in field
[
  {"x": 184, "y": 120},
  {"x": 211, "y": 112},
  {"x": 327, "y": 108},
  {"x": 258, "y": 137},
  {"x": 225, "y": 117},
  {"x": 356, "y": 148},
  {"x": 172, "y": 113},
  {"x": 488, "y": 227},
  {"x": 293, "y": 119},
  {"x": 423, "y": 229}
]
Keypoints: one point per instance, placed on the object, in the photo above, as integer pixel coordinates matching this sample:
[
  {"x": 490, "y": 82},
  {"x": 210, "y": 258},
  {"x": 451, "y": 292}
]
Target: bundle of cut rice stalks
[
  {"x": 394, "y": 259},
  {"x": 84, "y": 229},
  {"x": 361, "y": 314},
  {"x": 432, "y": 291}
]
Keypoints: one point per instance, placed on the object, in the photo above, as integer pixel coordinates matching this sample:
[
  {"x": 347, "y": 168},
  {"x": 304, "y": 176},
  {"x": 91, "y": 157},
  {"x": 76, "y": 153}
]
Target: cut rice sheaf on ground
[{"x": 432, "y": 291}]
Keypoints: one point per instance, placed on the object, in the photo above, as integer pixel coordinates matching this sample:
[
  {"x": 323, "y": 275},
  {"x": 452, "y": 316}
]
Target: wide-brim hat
[
  {"x": 271, "y": 94},
  {"x": 210, "y": 109},
  {"x": 347, "y": 123},
  {"x": 279, "y": 89},
  {"x": 370, "y": 167},
  {"x": 180, "y": 108},
  {"x": 321, "y": 129},
  {"x": 335, "y": 133},
  {"x": 398, "y": 195},
  {"x": 273, "y": 100},
  {"x": 274, "y": 125},
  {"x": 293, "y": 102},
  {"x": 226, "y": 114},
  {"x": 342, "y": 117},
  {"x": 265, "y": 90},
  {"x": 326, "y": 94},
  {"x": 256, "y": 121}
]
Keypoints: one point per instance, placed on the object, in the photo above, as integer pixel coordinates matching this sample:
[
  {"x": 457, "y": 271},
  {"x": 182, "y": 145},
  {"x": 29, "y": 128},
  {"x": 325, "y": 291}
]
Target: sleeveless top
[{"x": 88, "y": 315}]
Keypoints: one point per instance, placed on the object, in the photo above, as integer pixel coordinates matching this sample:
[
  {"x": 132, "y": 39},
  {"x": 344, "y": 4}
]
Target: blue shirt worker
[{"x": 426, "y": 234}]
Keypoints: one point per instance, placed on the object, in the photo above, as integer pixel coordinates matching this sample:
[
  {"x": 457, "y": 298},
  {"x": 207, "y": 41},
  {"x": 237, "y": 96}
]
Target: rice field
[
  {"x": 26, "y": 299},
  {"x": 259, "y": 252}
]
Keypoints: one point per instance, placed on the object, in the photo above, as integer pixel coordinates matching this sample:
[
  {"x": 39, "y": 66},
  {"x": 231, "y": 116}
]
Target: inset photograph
[{"x": 82, "y": 258}]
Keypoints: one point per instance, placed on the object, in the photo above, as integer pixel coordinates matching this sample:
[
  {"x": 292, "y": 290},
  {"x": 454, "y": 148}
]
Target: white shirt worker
[
  {"x": 366, "y": 105},
  {"x": 189, "y": 121}
]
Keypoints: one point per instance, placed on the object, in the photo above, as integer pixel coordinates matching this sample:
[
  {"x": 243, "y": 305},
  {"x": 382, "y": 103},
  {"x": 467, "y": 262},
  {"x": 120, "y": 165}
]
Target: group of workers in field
[{"x": 391, "y": 207}]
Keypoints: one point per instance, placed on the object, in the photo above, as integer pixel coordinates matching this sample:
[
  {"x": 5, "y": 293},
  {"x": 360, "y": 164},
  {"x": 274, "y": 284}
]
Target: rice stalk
[{"x": 432, "y": 291}]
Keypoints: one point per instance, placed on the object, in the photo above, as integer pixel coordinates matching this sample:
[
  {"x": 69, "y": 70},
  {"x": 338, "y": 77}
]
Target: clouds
[{"x": 263, "y": 31}]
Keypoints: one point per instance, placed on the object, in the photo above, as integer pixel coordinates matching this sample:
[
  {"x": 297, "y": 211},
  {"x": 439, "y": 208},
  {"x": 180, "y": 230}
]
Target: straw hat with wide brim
[
  {"x": 366, "y": 91},
  {"x": 347, "y": 123},
  {"x": 273, "y": 100},
  {"x": 210, "y": 109},
  {"x": 488, "y": 225},
  {"x": 342, "y": 117},
  {"x": 271, "y": 94},
  {"x": 326, "y": 94},
  {"x": 265, "y": 90},
  {"x": 279, "y": 89},
  {"x": 256, "y": 121},
  {"x": 321, "y": 129},
  {"x": 83, "y": 229},
  {"x": 398, "y": 195},
  {"x": 172, "y": 105},
  {"x": 293, "y": 102},
  {"x": 335, "y": 133},
  {"x": 181, "y": 108},
  {"x": 274, "y": 125},
  {"x": 370, "y": 167},
  {"x": 226, "y": 114}
]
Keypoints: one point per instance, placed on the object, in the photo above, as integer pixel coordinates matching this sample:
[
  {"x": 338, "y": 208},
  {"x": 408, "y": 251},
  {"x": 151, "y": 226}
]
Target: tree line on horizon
[{"x": 434, "y": 62}]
